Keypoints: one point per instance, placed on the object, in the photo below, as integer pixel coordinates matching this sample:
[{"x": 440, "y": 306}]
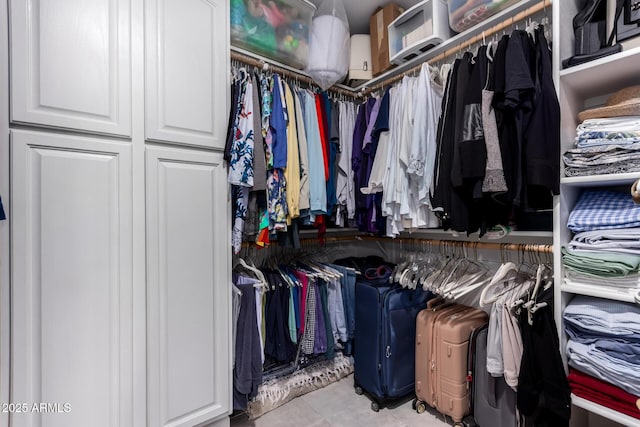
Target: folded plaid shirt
[
  {"x": 602, "y": 210},
  {"x": 624, "y": 167}
]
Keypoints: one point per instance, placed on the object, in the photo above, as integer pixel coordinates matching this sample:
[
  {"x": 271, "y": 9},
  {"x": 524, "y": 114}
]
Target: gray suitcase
[{"x": 493, "y": 401}]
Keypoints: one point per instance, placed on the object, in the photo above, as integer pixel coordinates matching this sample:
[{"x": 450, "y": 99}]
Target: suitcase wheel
[
  {"x": 469, "y": 421},
  {"x": 375, "y": 407},
  {"x": 421, "y": 407},
  {"x": 413, "y": 403},
  {"x": 359, "y": 390}
]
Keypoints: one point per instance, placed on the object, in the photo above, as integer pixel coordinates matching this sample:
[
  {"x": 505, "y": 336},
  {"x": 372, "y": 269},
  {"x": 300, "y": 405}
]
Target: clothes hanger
[
  {"x": 401, "y": 265},
  {"x": 449, "y": 269},
  {"x": 531, "y": 28},
  {"x": 427, "y": 266},
  {"x": 475, "y": 273},
  {"x": 236, "y": 290},
  {"x": 503, "y": 279},
  {"x": 257, "y": 273},
  {"x": 429, "y": 280}
]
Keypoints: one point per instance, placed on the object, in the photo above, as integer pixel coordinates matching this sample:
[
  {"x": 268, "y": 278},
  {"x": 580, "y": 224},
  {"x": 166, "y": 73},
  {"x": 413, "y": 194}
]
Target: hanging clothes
[
  {"x": 360, "y": 158},
  {"x": 292, "y": 170},
  {"x": 317, "y": 183},
  {"x": 379, "y": 124},
  {"x": 542, "y": 136},
  {"x": 303, "y": 152},
  {"x": 544, "y": 396},
  {"x": 247, "y": 371},
  {"x": 443, "y": 194},
  {"x": 241, "y": 161},
  {"x": 344, "y": 181},
  {"x": 390, "y": 203},
  {"x": 487, "y": 171},
  {"x": 422, "y": 150}
]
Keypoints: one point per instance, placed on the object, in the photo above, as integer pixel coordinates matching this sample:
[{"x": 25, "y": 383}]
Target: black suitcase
[
  {"x": 493, "y": 401},
  {"x": 384, "y": 341}
]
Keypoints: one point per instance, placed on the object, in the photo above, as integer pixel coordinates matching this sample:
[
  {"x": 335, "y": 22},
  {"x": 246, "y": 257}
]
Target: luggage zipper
[
  {"x": 471, "y": 361},
  {"x": 382, "y": 303}
]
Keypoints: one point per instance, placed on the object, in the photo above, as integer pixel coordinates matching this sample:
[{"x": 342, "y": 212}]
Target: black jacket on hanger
[
  {"x": 542, "y": 137},
  {"x": 519, "y": 97},
  {"x": 504, "y": 119},
  {"x": 441, "y": 197},
  {"x": 461, "y": 205}
]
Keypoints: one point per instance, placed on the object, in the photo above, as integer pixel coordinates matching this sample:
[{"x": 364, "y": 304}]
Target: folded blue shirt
[
  {"x": 590, "y": 359},
  {"x": 603, "y": 209},
  {"x": 596, "y": 317}
]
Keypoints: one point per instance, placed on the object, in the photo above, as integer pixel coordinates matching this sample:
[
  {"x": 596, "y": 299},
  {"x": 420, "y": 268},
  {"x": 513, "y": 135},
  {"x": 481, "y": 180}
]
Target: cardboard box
[{"x": 378, "y": 23}]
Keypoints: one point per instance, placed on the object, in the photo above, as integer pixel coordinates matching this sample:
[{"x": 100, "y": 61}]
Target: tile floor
[{"x": 338, "y": 405}]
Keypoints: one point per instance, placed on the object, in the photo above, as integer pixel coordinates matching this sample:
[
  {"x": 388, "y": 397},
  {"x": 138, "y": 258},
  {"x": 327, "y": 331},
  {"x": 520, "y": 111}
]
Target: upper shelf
[
  {"x": 600, "y": 180},
  {"x": 604, "y": 75},
  {"x": 455, "y": 41}
]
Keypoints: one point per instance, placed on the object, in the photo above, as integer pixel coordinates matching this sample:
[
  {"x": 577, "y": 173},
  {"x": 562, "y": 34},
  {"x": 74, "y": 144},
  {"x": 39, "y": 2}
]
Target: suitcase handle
[{"x": 435, "y": 302}]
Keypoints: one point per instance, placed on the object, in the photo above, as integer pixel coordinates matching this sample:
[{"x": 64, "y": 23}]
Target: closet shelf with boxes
[
  {"x": 499, "y": 22},
  {"x": 457, "y": 42}
]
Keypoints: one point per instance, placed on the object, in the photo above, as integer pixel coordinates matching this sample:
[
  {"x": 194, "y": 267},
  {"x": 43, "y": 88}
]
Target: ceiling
[{"x": 359, "y": 11}]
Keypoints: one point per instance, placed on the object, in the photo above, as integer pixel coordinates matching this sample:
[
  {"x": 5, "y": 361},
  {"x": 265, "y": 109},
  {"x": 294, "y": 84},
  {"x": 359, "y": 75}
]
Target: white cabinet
[
  {"x": 186, "y": 44},
  {"x": 120, "y": 262},
  {"x": 71, "y": 299},
  {"x": 188, "y": 287},
  {"x": 71, "y": 64}
]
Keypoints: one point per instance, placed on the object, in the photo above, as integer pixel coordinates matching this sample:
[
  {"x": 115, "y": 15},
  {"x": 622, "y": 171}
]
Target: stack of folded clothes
[
  {"x": 590, "y": 388},
  {"x": 605, "y": 146},
  {"x": 606, "y": 249},
  {"x": 604, "y": 341}
]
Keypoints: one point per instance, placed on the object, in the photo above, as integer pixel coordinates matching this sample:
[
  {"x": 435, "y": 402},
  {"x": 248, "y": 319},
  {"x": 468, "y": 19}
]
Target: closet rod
[
  {"x": 538, "y": 7},
  {"x": 258, "y": 63},
  {"x": 458, "y": 243},
  {"x": 510, "y": 247}
]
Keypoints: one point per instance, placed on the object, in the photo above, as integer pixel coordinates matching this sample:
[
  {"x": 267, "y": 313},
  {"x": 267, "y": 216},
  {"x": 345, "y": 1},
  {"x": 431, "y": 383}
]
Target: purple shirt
[{"x": 371, "y": 123}]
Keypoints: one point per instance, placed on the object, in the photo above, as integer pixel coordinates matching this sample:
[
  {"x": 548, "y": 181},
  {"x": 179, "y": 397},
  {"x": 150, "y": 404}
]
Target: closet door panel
[
  {"x": 186, "y": 70},
  {"x": 188, "y": 287},
  {"x": 71, "y": 280},
  {"x": 70, "y": 64}
]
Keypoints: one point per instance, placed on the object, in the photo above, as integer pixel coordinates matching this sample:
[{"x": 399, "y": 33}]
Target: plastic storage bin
[
  {"x": 464, "y": 14},
  {"x": 276, "y": 29},
  {"x": 417, "y": 30}
]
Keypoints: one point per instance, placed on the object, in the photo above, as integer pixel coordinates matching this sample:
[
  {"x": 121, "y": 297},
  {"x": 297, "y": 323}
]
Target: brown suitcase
[{"x": 442, "y": 341}]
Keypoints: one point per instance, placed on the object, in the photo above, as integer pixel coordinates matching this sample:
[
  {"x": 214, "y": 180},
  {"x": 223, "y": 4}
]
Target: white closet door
[
  {"x": 71, "y": 65},
  {"x": 72, "y": 330},
  {"x": 187, "y": 43},
  {"x": 188, "y": 288}
]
